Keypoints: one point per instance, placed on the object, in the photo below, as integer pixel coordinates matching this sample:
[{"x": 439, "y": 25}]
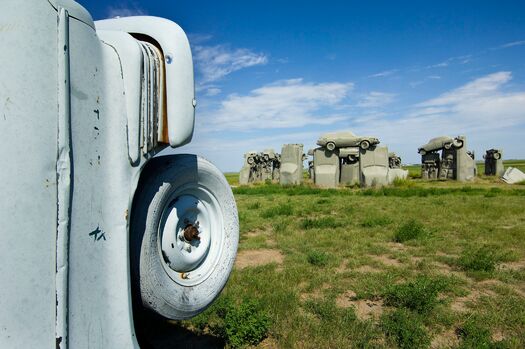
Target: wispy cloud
[
  {"x": 215, "y": 62},
  {"x": 213, "y": 91},
  {"x": 449, "y": 61},
  {"x": 510, "y": 44},
  {"x": 375, "y": 99},
  {"x": 283, "y": 104},
  {"x": 383, "y": 73},
  {"x": 125, "y": 9},
  {"x": 481, "y": 109}
]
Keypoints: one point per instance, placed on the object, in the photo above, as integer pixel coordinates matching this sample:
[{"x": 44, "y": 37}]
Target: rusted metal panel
[{"x": 179, "y": 70}]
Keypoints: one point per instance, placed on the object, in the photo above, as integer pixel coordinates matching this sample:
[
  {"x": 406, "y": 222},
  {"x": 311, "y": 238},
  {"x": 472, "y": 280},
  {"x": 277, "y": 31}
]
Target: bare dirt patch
[
  {"x": 514, "y": 266},
  {"x": 446, "y": 269},
  {"x": 364, "y": 308},
  {"x": 396, "y": 246},
  {"x": 367, "y": 269},
  {"x": 253, "y": 258},
  {"x": 460, "y": 304},
  {"x": 342, "y": 267},
  {"x": 316, "y": 294},
  {"x": 269, "y": 343},
  {"x": 346, "y": 300},
  {"x": 447, "y": 339},
  {"x": 368, "y": 309},
  {"x": 387, "y": 260}
]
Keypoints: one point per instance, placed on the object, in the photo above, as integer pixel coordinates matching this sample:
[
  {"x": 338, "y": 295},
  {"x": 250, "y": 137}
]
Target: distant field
[
  {"x": 414, "y": 171},
  {"x": 421, "y": 264}
]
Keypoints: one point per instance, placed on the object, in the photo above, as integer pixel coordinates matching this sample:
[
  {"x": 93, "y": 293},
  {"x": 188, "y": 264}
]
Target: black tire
[
  {"x": 172, "y": 188},
  {"x": 497, "y": 156}
]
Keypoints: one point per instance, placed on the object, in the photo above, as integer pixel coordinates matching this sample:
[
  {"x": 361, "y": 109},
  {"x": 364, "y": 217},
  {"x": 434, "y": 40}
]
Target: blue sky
[{"x": 273, "y": 72}]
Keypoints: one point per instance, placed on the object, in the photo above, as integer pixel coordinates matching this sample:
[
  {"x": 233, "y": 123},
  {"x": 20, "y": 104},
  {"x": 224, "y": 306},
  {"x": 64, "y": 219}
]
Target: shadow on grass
[{"x": 154, "y": 332}]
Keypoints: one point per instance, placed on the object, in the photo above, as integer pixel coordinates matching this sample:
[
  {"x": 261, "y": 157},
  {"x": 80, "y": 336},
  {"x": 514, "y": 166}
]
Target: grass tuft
[
  {"x": 411, "y": 230},
  {"x": 405, "y": 329},
  {"x": 246, "y": 324},
  {"x": 320, "y": 223},
  {"x": 374, "y": 221},
  {"x": 419, "y": 295},
  {"x": 474, "y": 335},
  {"x": 254, "y": 206},
  {"x": 317, "y": 258},
  {"x": 279, "y": 210},
  {"x": 484, "y": 258}
]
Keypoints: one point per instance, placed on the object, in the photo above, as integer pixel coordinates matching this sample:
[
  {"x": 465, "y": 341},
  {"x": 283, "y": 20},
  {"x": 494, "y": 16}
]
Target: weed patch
[
  {"x": 320, "y": 223},
  {"x": 246, "y": 324},
  {"x": 370, "y": 222},
  {"x": 254, "y": 206},
  {"x": 405, "y": 329},
  {"x": 317, "y": 258},
  {"x": 474, "y": 335},
  {"x": 239, "y": 324},
  {"x": 484, "y": 258},
  {"x": 279, "y": 210},
  {"x": 419, "y": 295},
  {"x": 403, "y": 182},
  {"x": 410, "y": 231}
]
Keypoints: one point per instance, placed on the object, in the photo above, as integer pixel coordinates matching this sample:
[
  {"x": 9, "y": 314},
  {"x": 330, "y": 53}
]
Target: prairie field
[{"x": 419, "y": 264}]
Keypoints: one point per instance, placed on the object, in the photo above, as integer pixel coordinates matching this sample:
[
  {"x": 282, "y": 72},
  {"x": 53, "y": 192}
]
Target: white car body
[{"x": 79, "y": 124}]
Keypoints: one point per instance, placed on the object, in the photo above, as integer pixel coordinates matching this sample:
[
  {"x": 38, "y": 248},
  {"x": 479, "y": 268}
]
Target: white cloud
[
  {"x": 215, "y": 62},
  {"x": 283, "y": 104},
  {"x": 510, "y": 44},
  {"x": 481, "y": 109},
  {"x": 383, "y": 73},
  {"x": 458, "y": 59},
  {"x": 484, "y": 86},
  {"x": 376, "y": 99},
  {"x": 213, "y": 91},
  {"x": 125, "y": 10}
]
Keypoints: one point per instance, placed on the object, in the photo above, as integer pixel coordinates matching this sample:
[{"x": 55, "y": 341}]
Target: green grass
[
  {"x": 414, "y": 251},
  {"x": 419, "y": 295},
  {"x": 412, "y": 230},
  {"x": 405, "y": 329}
]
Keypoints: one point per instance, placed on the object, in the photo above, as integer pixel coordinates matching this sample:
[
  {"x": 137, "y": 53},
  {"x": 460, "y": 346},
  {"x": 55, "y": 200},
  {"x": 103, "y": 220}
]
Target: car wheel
[
  {"x": 458, "y": 143},
  {"x": 330, "y": 146},
  {"x": 364, "y": 145},
  {"x": 184, "y": 233},
  {"x": 497, "y": 156}
]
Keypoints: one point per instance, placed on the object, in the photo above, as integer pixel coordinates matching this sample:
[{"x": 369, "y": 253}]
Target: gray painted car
[
  {"x": 440, "y": 143},
  {"x": 334, "y": 140}
]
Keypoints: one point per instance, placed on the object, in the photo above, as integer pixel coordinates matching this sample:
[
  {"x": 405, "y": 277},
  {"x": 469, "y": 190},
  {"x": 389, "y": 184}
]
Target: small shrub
[
  {"x": 317, "y": 258},
  {"x": 405, "y": 328},
  {"x": 246, "y": 324},
  {"x": 320, "y": 223},
  {"x": 279, "y": 210},
  {"x": 419, "y": 294},
  {"x": 254, "y": 206},
  {"x": 475, "y": 335},
  {"x": 370, "y": 222},
  {"x": 484, "y": 258},
  {"x": 410, "y": 231}
]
